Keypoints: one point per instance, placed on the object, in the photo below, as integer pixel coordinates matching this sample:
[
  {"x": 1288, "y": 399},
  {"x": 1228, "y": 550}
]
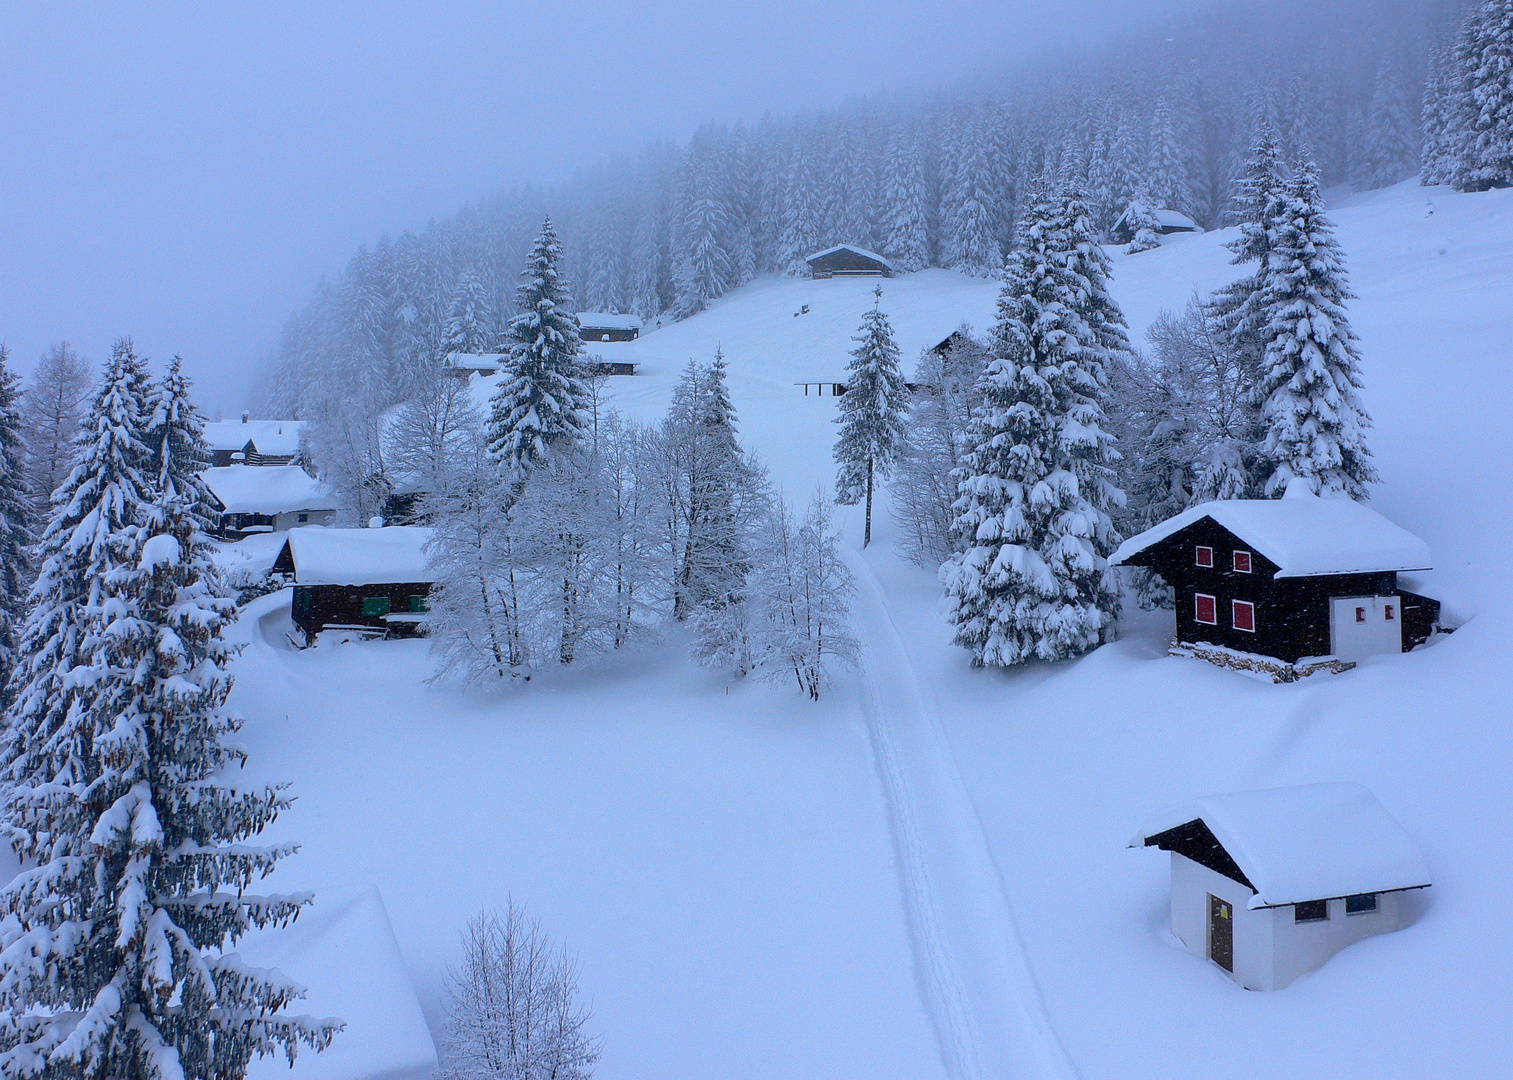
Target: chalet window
[
  {"x": 1311, "y": 911},
  {"x": 1205, "y": 556},
  {"x": 1206, "y": 609},
  {"x": 1387, "y": 610},
  {"x": 1360, "y": 614},
  {"x": 1242, "y": 562},
  {"x": 418, "y": 604},
  {"x": 304, "y": 518},
  {"x": 1243, "y": 616},
  {"x": 375, "y": 606},
  {"x": 1360, "y": 903}
]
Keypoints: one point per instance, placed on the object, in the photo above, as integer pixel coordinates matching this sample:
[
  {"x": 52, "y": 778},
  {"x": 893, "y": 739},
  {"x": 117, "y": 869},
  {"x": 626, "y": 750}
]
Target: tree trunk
[{"x": 867, "y": 533}]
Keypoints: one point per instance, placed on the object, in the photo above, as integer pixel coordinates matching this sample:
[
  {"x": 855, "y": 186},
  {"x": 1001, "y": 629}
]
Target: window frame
[
  {"x": 1360, "y": 899},
  {"x": 1234, "y": 615},
  {"x": 1198, "y": 556},
  {"x": 1311, "y": 906},
  {"x": 1234, "y": 561},
  {"x": 1389, "y": 613},
  {"x": 1197, "y": 609}
]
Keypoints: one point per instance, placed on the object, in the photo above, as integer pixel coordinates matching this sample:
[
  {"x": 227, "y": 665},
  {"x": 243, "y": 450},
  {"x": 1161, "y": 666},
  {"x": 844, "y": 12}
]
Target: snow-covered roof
[
  {"x": 851, "y": 248},
  {"x": 1310, "y": 842},
  {"x": 476, "y": 361},
  {"x": 343, "y": 951},
  {"x": 277, "y": 437},
  {"x": 1167, "y": 219},
  {"x": 1304, "y": 535},
  {"x": 267, "y": 489},
  {"x": 605, "y": 320},
  {"x": 384, "y": 556}
]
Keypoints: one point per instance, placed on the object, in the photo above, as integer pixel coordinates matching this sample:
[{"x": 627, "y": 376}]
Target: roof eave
[
  {"x": 1342, "y": 573},
  {"x": 1258, "y": 903}
]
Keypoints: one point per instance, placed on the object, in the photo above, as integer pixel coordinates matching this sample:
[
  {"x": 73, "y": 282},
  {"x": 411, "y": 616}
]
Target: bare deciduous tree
[{"x": 53, "y": 409}]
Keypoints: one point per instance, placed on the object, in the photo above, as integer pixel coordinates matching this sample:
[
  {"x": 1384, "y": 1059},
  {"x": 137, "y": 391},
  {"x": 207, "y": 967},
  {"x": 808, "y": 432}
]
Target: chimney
[{"x": 246, "y": 416}]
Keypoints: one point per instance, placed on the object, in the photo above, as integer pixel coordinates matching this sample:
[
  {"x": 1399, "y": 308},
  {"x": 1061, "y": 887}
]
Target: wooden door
[{"x": 1221, "y": 933}]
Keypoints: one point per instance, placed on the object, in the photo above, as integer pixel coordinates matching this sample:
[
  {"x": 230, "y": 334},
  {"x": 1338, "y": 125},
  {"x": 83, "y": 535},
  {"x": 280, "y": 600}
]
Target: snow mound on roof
[
  {"x": 279, "y": 437},
  {"x": 1310, "y": 842},
  {"x": 605, "y": 320},
  {"x": 1303, "y": 536},
  {"x": 360, "y": 556},
  {"x": 343, "y": 951},
  {"x": 852, "y": 248},
  {"x": 267, "y": 489}
]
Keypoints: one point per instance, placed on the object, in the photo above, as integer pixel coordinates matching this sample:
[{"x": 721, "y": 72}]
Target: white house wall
[
  {"x": 1192, "y": 884},
  {"x": 285, "y": 522},
  {"x": 1304, "y": 947}
]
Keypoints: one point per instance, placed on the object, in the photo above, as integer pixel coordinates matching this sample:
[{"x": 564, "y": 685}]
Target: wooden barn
[
  {"x": 1270, "y": 884},
  {"x": 1298, "y": 578},
  {"x": 464, "y": 365},
  {"x": 253, "y": 442},
  {"x": 598, "y": 326},
  {"x": 1167, "y": 222},
  {"x": 844, "y": 260},
  {"x": 374, "y": 581},
  {"x": 273, "y": 498}
]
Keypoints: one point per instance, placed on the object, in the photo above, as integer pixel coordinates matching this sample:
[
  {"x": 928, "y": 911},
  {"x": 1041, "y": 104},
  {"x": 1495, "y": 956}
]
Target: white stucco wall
[
  {"x": 285, "y": 522},
  {"x": 1303, "y": 947},
  {"x": 1191, "y": 886}
]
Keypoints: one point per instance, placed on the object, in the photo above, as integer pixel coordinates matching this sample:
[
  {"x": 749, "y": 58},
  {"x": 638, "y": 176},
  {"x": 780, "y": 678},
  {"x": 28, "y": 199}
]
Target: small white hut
[{"x": 1270, "y": 884}]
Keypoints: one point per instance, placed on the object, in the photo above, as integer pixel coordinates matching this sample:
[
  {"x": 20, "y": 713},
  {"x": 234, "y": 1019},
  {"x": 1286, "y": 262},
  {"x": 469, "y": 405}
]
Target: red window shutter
[
  {"x": 1244, "y": 615},
  {"x": 1360, "y": 614},
  {"x": 1389, "y": 612},
  {"x": 1204, "y": 609},
  {"x": 1242, "y": 562},
  {"x": 1205, "y": 556}
]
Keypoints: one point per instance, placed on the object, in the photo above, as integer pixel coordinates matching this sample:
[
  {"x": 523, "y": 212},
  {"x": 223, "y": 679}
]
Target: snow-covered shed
[
  {"x": 1166, "y": 222},
  {"x": 608, "y": 326},
  {"x": 1270, "y": 884},
  {"x": 274, "y": 498},
  {"x": 343, "y": 951},
  {"x": 1295, "y": 578},
  {"x": 372, "y": 580},
  {"x": 253, "y": 442},
  {"x": 464, "y": 364},
  {"x": 847, "y": 260}
]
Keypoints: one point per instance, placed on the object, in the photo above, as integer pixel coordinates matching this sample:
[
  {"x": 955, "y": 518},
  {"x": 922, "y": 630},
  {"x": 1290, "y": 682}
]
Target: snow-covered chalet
[
  {"x": 1270, "y": 884},
  {"x": 253, "y": 442},
  {"x": 847, "y": 260},
  {"x": 373, "y": 582}
]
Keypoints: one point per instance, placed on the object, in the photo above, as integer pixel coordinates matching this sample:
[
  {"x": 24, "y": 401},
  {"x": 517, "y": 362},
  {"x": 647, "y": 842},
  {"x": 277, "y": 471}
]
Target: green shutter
[
  {"x": 418, "y": 604},
  {"x": 375, "y": 606}
]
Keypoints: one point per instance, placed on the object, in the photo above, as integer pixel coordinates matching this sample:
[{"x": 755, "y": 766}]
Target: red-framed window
[
  {"x": 1205, "y": 609},
  {"x": 1388, "y": 612},
  {"x": 1205, "y": 556},
  {"x": 1242, "y": 562},
  {"x": 1360, "y": 614},
  {"x": 1243, "y": 615}
]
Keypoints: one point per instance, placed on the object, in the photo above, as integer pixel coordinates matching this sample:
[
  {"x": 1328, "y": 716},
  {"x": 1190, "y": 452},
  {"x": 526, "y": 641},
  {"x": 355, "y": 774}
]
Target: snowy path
[{"x": 974, "y": 977}]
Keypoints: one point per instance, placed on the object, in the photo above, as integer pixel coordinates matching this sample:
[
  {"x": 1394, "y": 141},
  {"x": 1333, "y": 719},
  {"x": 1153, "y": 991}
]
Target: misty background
[{"x": 186, "y": 174}]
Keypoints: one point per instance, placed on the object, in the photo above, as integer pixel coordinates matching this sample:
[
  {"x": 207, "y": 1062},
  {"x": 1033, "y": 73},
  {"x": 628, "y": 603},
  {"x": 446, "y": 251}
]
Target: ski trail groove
[{"x": 973, "y": 975}]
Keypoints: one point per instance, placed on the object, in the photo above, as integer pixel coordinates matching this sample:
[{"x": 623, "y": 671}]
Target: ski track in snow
[{"x": 973, "y": 973}]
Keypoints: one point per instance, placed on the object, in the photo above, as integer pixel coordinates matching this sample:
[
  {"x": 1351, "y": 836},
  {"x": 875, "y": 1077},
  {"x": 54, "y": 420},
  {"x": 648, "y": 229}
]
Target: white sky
[{"x": 185, "y": 173}]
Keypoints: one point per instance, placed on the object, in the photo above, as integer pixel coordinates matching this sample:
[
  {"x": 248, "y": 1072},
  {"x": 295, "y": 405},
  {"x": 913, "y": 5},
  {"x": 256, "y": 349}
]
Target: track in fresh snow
[{"x": 974, "y": 976}]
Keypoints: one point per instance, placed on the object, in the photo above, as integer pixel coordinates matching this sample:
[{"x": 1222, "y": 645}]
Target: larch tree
[
  {"x": 16, "y": 524},
  {"x": 53, "y": 409},
  {"x": 542, "y": 403},
  {"x": 871, "y": 413},
  {"x": 1033, "y": 580},
  {"x": 1310, "y": 379}
]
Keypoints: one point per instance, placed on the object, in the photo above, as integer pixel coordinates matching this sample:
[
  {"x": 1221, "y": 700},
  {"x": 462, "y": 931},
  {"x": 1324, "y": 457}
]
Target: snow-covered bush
[{"x": 513, "y": 1009}]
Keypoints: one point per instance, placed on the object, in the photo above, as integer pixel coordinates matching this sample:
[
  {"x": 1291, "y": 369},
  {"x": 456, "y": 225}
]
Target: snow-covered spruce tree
[
  {"x": 177, "y": 452},
  {"x": 1141, "y": 221},
  {"x": 1035, "y": 493},
  {"x": 1310, "y": 381},
  {"x": 906, "y": 206},
  {"x": 1437, "y": 115},
  {"x": 1391, "y": 151},
  {"x": 1484, "y": 66},
  {"x": 16, "y": 526},
  {"x": 113, "y": 961},
  {"x": 468, "y": 326},
  {"x": 541, "y": 402},
  {"x": 871, "y": 417}
]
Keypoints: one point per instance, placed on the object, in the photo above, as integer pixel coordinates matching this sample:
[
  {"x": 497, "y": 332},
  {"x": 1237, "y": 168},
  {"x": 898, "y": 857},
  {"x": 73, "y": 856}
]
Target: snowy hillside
[{"x": 926, "y": 874}]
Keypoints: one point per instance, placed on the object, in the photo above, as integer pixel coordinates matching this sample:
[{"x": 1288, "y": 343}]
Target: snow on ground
[{"x": 926, "y": 874}]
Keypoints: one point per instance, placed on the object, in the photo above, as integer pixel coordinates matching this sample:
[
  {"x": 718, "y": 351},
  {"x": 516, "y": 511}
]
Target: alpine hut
[
  {"x": 600, "y": 326},
  {"x": 845, "y": 260},
  {"x": 1298, "y": 579},
  {"x": 1165, "y": 221},
  {"x": 273, "y": 498},
  {"x": 253, "y": 442},
  {"x": 1270, "y": 884},
  {"x": 374, "y": 581}
]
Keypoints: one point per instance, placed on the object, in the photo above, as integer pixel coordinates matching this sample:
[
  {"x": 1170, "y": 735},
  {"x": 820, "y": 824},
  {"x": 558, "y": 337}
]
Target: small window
[
  {"x": 1242, "y": 562},
  {"x": 1311, "y": 911},
  {"x": 1387, "y": 611},
  {"x": 1205, "y": 609},
  {"x": 304, "y": 518},
  {"x": 1360, "y": 903},
  {"x": 1244, "y": 615},
  {"x": 375, "y": 606},
  {"x": 418, "y": 604},
  {"x": 1360, "y": 614},
  {"x": 1205, "y": 556}
]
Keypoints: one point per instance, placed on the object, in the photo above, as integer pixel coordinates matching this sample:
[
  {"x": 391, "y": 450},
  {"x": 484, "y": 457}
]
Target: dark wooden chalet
[
  {"x": 596, "y": 326},
  {"x": 374, "y": 581},
  {"x": 253, "y": 442},
  {"x": 1293, "y": 578},
  {"x": 844, "y": 260}
]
